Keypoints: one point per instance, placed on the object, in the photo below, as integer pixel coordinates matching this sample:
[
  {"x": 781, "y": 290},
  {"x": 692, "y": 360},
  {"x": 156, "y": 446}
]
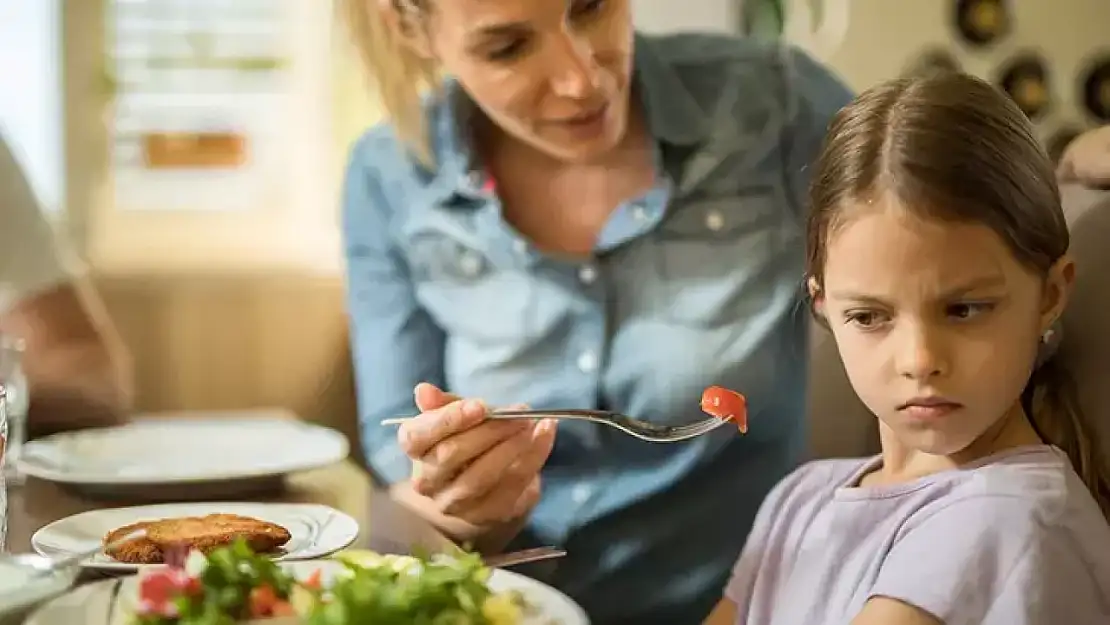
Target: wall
[{"x": 884, "y": 38}]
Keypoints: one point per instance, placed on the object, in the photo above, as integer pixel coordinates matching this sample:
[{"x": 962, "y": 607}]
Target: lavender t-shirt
[{"x": 1015, "y": 539}]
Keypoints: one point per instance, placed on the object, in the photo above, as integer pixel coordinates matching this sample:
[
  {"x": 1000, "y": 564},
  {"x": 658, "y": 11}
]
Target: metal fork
[{"x": 642, "y": 430}]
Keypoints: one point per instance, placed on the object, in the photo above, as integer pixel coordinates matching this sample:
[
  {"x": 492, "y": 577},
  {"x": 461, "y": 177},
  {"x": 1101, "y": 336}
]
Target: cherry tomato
[{"x": 727, "y": 405}]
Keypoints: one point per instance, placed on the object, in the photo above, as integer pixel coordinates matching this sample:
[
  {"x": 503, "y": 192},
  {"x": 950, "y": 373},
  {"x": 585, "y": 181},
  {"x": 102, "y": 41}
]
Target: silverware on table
[
  {"x": 58, "y": 564},
  {"x": 524, "y": 556},
  {"x": 642, "y": 430}
]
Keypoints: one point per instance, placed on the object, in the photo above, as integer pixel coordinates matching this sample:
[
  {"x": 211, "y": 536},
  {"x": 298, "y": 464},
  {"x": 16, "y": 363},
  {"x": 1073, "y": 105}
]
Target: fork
[{"x": 642, "y": 430}]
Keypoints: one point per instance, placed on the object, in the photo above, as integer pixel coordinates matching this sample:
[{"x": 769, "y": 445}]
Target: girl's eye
[
  {"x": 968, "y": 310},
  {"x": 864, "y": 319}
]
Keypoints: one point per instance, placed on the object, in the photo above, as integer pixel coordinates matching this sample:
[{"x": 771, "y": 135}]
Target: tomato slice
[{"x": 727, "y": 405}]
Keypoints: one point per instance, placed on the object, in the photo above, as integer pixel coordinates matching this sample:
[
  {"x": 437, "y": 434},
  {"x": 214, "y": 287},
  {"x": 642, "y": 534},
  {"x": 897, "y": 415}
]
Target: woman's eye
[
  {"x": 587, "y": 7},
  {"x": 968, "y": 310},
  {"x": 506, "y": 51}
]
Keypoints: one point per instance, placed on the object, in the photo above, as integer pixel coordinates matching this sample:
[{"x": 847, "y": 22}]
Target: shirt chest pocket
[
  {"x": 472, "y": 295},
  {"x": 714, "y": 257}
]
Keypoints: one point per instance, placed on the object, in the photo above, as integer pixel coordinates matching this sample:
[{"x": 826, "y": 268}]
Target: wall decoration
[
  {"x": 1026, "y": 79},
  {"x": 933, "y": 60},
  {"x": 1059, "y": 140},
  {"x": 982, "y": 22},
  {"x": 1095, "y": 89}
]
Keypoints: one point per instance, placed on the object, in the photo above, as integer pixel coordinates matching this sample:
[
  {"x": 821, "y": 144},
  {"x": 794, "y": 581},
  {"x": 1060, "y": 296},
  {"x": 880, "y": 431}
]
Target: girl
[
  {"x": 580, "y": 216},
  {"x": 937, "y": 254}
]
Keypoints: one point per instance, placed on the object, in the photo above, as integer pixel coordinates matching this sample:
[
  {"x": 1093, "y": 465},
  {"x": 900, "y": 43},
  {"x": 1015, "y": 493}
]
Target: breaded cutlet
[
  {"x": 217, "y": 530},
  {"x": 138, "y": 551}
]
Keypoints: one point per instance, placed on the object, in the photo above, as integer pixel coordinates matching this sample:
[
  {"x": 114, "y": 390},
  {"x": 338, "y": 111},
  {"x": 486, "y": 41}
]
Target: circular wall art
[
  {"x": 981, "y": 22},
  {"x": 1059, "y": 140},
  {"x": 1026, "y": 79},
  {"x": 1095, "y": 89},
  {"x": 933, "y": 60}
]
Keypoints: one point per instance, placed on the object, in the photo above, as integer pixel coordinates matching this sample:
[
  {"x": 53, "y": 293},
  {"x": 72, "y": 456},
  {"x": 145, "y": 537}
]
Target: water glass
[
  {"x": 14, "y": 381},
  {"x": 3, "y": 484}
]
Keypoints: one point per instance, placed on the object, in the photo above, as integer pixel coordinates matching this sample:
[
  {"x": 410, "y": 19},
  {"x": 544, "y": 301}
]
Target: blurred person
[
  {"x": 1086, "y": 160},
  {"x": 77, "y": 369},
  {"x": 581, "y": 216},
  {"x": 988, "y": 503}
]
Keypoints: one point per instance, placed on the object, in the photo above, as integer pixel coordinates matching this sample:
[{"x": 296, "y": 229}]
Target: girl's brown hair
[{"x": 950, "y": 146}]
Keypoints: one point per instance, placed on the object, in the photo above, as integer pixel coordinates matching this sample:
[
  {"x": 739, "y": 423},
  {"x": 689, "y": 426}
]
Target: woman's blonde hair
[{"x": 398, "y": 74}]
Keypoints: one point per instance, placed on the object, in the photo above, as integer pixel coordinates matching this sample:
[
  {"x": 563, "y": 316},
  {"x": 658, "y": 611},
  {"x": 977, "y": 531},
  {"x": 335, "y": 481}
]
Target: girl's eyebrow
[{"x": 986, "y": 282}]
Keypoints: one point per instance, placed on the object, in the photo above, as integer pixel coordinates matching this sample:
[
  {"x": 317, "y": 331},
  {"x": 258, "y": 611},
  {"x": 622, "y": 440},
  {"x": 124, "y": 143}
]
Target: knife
[{"x": 524, "y": 556}]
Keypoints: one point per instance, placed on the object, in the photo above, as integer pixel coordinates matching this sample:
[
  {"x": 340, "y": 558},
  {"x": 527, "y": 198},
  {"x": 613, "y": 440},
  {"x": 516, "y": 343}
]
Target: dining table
[{"x": 384, "y": 525}]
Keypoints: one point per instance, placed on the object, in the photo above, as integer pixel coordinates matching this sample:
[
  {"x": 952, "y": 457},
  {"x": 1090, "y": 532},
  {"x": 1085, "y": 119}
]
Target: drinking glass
[
  {"x": 3, "y": 484},
  {"x": 14, "y": 381}
]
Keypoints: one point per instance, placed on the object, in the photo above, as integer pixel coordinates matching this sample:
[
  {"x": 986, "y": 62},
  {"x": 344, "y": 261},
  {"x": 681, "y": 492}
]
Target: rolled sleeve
[{"x": 394, "y": 342}]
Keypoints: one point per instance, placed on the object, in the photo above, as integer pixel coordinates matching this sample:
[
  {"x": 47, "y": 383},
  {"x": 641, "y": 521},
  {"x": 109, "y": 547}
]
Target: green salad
[{"x": 234, "y": 585}]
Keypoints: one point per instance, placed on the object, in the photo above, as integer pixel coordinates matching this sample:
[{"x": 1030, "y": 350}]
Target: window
[
  {"x": 215, "y": 147},
  {"x": 31, "y": 119}
]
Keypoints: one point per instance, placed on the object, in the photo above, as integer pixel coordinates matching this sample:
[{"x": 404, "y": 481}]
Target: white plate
[
  {"x": 23, "y": 585},
  {"x": 316, "y": 530},
  {"x": 111, "y": 602},
  {"x": 183, "y": 450}
]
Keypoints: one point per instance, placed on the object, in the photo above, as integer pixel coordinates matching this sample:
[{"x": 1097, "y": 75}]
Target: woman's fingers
[
  {"x": 448, "y": 458},
  {"x": 494, "y": 488}
]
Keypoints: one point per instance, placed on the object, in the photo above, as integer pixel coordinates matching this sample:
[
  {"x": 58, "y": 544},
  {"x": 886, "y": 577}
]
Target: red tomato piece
[
  {"x": 283, "y": 608},
  {"x": 727, "y": 405},
  {"x": 313, "y": 581},
  {"x": 262, "y": 601}
]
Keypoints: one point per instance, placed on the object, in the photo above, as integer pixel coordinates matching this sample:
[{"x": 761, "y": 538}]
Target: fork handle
[{"x": 563, "y": 413}]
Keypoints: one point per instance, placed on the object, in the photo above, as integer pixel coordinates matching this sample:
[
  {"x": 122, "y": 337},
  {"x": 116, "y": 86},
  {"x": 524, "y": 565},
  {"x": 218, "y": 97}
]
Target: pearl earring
[{"x": 1048, "y": 335}]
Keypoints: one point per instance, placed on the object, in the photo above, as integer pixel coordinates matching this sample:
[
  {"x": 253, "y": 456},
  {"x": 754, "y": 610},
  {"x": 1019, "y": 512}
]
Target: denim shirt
[{"x": 697, "y": 282}]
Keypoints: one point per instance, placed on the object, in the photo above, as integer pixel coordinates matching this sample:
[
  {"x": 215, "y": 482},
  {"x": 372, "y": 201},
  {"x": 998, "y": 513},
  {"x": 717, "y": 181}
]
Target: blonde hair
[{"x": 397, "y": 73}]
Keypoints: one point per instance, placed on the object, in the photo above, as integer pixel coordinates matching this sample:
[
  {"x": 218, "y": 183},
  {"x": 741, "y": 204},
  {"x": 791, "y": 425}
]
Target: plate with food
[
  {"x": 233, "y": 585},
  {"x": 198, "y": 455},
  {"x": 280, "y": 531}
]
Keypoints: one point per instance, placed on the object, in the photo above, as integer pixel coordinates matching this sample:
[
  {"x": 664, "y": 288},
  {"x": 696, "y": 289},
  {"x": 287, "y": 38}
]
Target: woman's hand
[
  {"x": 1087, "y": 159},
  {"x": 483, "y": 472}
]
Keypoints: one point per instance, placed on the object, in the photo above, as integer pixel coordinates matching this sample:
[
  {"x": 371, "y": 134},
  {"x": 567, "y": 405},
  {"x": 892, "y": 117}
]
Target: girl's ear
[
  {"x": 816, "y": 298},
  {"x": 1057, "y": 291}
]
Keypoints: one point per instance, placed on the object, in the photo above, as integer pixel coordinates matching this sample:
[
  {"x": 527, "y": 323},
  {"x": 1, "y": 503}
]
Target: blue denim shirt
[{"x": 698, "y": 282}]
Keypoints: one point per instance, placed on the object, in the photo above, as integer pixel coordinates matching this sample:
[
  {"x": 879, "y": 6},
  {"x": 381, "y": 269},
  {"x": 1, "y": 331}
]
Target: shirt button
[
  {"x": 471, "y": 265},
  {"x": 714, "y": 220},
  {"x": 587, "y": 274},
  {"x": 472, "y": 180},
  {"x": 520, "y": 246},
  {"x": 639, "y": 212},
  {"x": 587, "y": 362},
  {"x": 581, "y": 493}
]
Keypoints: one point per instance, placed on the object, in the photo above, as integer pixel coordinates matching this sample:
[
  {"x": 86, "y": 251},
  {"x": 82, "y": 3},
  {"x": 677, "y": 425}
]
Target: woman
[{"x": 581, "y": 217}]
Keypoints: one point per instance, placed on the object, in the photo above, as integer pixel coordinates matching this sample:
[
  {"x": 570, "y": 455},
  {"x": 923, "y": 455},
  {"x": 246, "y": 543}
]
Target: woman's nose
[{"x": 574, "y": 73}]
